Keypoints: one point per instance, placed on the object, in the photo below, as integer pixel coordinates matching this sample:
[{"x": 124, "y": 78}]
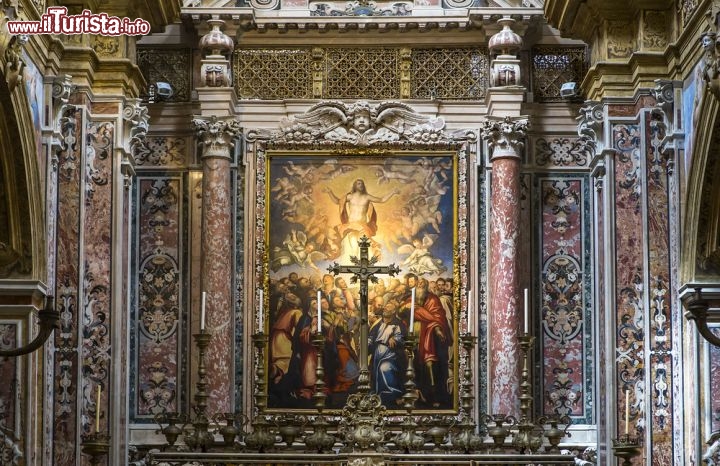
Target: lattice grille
[
  {"x": 553, "y": 66},
  {"x": 171, "y": 66},
  {"x": 273, "y": 74},
  {"x": 460, "y": 73},
  {"x": 352, "y": 73}
]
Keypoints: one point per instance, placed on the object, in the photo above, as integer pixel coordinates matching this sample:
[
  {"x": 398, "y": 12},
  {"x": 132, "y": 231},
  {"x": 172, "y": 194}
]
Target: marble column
[
  {"x": 217, "y": 140},
  {"x": 505, "y": 140}
]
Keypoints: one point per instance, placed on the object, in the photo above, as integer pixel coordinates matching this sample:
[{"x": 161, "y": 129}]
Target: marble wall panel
[
  {"x": 8, "y": 373},
  {"x": 69, "y": 192},
  {"x": 96, "y": 282},
  {"x": 714, "y": 372},
  {"x": 629, "y": 272},
  {"x": 158, "y": 212},
  {"x": 659, "y": 325},
  {"x": 566, "y": 298}
]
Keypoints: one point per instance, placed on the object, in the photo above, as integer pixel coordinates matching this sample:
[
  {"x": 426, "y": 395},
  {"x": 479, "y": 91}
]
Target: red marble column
[
  {"x": 505, "y": 140},
  {"x": 216, "y": 137}
]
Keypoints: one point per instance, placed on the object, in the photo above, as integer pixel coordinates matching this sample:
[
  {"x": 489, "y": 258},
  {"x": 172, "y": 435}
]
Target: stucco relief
[
  {"x": 621, "y": 39},
  {"x": 363, "y": 124}
]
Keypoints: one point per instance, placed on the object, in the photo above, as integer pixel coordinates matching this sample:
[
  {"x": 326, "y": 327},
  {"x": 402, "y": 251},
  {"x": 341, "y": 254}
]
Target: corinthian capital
[
  {"x": 505, "y": 136},
  {"x": 216, "y": 135}
]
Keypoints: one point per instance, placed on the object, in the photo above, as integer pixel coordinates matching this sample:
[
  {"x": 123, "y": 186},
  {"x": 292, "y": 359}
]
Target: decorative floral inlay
[
  {"x": 561, "y": 152},
  {"x": 164, "y": 151},
  {"x": 159, "y": 390},
  {"x": 159, "y": 289}
]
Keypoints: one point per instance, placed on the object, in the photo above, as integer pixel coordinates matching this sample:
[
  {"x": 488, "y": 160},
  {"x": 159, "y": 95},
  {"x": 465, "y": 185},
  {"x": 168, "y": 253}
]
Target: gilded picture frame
[{"x": 317, "y": 205}]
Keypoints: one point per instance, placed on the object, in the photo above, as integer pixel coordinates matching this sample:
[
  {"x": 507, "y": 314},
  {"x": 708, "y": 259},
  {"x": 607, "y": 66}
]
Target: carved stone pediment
[{"x": 361, "y": 123}]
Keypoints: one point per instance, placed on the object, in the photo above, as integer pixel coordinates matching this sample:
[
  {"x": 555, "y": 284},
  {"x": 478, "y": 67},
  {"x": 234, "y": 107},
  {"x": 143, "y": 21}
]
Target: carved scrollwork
[
  {"x": 136, "y": 118},
  {"x": 712, "y": 454},
  {"x": 590, "y": 125}
]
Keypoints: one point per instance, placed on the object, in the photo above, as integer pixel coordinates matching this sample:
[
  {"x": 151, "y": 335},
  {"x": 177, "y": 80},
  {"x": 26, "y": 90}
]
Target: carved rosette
[
  {"x": 505, "y": 137},
  {"x": 216, "y": 135}
]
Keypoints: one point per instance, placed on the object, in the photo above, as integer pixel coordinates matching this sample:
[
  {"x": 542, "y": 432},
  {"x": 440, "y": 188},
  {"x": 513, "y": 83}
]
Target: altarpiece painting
[{"x": 329, "y": 178}]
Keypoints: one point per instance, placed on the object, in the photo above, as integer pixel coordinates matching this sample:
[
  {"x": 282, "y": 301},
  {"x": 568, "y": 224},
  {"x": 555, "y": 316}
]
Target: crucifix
[{"x": 363, "y": 271}]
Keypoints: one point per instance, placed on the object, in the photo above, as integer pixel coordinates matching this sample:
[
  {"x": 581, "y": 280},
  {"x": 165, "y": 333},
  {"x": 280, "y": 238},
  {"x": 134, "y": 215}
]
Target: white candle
[
  {"x": 260, "y": 310},
  {"x": 527, "y": 311},
  {"x": 469, "y": 310},
  {"x": 202, "y": 311},
  {"x": 319, "y": 316},
  {"x": 97, "y": 410},
  {"x": 627, "y": 413},
  {"x": 412, "y": 310}
]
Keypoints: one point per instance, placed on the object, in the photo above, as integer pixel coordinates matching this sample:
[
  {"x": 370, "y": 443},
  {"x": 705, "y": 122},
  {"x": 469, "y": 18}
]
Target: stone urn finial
[
  {"x": 506, "y": 41},
  {"x": 216, "y": 41}
]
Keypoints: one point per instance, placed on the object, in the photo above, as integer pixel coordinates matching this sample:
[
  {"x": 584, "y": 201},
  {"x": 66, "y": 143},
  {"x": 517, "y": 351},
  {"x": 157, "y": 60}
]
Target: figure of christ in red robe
[{"x": 435, "y": 339}]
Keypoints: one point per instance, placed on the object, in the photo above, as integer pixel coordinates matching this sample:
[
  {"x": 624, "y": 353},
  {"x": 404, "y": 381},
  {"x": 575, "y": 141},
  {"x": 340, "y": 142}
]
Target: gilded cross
[{"x": 364, "y": 270}]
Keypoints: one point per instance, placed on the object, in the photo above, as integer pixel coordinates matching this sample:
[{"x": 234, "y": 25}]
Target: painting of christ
[{"x": 318, "y": 208}]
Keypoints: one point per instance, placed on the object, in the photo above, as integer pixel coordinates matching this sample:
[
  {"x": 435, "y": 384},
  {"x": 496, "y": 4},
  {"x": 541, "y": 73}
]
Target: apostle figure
[
  {"x": 435, "y": 339},
  {"x": 387, "y": 356}
]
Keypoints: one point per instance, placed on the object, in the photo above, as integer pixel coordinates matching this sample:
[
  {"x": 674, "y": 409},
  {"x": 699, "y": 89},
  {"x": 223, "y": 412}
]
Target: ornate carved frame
[{"x": 329, "y": 130}]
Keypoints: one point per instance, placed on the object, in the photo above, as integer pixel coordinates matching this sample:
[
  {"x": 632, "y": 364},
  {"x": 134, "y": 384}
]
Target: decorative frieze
[{"x": 562, "y": 152}]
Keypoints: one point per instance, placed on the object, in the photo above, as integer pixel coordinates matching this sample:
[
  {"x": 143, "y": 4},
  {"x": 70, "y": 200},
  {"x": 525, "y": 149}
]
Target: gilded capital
[
  {"x": 505, "y": 136},
  {"x": 216, "y": 135}
]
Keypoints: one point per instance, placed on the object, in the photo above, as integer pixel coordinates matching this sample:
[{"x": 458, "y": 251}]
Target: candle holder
[
  {"x": 201, "y": 438},
  {"x": 530, "y": 434},
  {"x": 96, "y": 446},
  {"x": 319, "y": 440},
  {"x": 261, "y": 437},
  {"x": 626, "y": 448},
  {"x": 408, "y": 438},
  {"x": 467, "y": 440}
]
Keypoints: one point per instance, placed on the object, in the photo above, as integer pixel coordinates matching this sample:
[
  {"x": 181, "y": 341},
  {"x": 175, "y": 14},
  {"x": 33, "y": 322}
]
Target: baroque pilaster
[
  {"x": 216, "y": 137},
  {"x": 505, "y": 138}
]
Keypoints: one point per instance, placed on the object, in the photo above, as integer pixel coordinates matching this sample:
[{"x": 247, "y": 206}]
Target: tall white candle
[
  {"x": 627, "y": 413},
  {"x": 202, "y": 311},
  {"x": 260, "y": 310},
  {"x": 97, "y": 409},
  {"x": 527, "y": 311},
  {"x": 412, "y": 310},
  {"x": 319, "y": 316},
  {"x": 469, "y": 310}
]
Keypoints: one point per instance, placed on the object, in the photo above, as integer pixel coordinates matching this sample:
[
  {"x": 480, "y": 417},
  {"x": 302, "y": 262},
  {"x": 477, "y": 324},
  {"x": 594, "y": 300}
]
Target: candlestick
[
  {"x": 319, "y": 314},
  {"x": 412, "y": 310},
  {"x": 527, "y": 311},
  {"x": 202, "y": 311},
  {"x": 627, "y": 412},
  {"x": 260, "y": 311},
  {"x": 97, "y": 409}
]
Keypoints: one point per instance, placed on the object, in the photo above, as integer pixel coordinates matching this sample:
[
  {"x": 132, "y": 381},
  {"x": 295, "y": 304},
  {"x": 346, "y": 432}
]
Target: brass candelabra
[
  {"x": 408, "y": 439},
  {"x": 626, "y": 448},
  {"x": 466, "y": 439},
  {"x": 96, "y": 446},
  {"x": 320, "y": 440},
  {"x": 201, "y": 438},
  {"x": 530, "y": 435},
  {"x": 261, "y": 438}
]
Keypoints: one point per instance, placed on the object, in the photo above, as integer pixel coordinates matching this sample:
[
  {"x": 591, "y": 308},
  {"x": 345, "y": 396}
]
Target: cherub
[
  {"x": 420, "y": 261},
  {"x": 389, "y": 171}
]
